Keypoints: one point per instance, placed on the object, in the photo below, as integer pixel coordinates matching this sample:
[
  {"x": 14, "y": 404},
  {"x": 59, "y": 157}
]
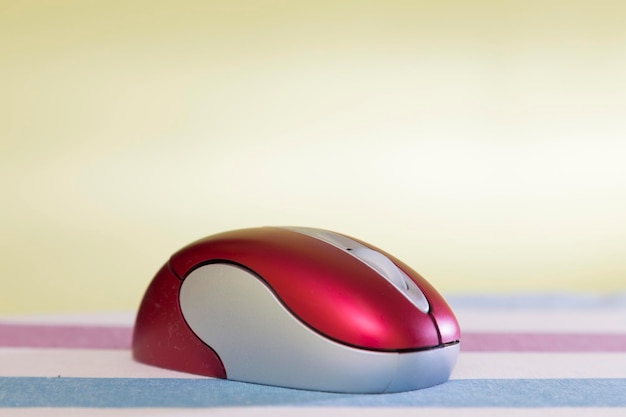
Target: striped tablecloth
[{"x": 521, "y": 355}]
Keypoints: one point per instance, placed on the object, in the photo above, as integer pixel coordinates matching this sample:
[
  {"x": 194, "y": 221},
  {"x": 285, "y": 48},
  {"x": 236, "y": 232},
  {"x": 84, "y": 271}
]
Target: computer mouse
[{"x": 300, "y": 308}]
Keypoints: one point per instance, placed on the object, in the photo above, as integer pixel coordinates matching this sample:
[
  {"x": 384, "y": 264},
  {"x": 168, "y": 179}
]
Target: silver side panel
[{"x": 260, "y": 341}]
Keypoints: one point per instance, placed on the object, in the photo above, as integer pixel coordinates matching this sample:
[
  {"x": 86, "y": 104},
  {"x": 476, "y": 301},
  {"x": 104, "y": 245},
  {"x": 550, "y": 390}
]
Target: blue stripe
[
  {"x": 195, "y": 393},
  {"x": 556, "y": 301}
]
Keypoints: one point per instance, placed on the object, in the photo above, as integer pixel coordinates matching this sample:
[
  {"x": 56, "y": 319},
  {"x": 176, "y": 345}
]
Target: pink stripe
[
  {"x": 118, "y": 337},
  {"x": 543, "y": 342},
  {"x": 65, "y": 336}
]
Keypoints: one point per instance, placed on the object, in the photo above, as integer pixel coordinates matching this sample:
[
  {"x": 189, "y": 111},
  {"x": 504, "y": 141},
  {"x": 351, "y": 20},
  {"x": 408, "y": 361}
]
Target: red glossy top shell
[{"x": 329, "y": 290}]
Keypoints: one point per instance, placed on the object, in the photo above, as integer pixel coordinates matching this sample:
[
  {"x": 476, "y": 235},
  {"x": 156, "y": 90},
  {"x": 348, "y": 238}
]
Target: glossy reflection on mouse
[{"x": 300, "y": 308}]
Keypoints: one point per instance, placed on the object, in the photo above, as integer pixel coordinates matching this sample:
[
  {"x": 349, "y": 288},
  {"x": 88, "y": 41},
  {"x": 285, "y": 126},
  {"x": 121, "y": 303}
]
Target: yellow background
[{"x": 482, "y": 142}]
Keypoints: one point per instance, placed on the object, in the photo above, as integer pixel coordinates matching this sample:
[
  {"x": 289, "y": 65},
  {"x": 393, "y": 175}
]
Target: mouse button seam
[
  {"x": 434, "y": 320},
  {"x": 172, "y": 270}
]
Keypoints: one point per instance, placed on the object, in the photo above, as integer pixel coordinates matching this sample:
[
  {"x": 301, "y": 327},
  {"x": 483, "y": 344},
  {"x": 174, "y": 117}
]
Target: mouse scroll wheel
[{"x": 381, "y": 264}]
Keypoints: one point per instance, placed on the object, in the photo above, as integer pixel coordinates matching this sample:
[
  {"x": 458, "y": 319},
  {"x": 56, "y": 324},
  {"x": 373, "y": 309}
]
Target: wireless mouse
[{"x": 299, "y": 308}]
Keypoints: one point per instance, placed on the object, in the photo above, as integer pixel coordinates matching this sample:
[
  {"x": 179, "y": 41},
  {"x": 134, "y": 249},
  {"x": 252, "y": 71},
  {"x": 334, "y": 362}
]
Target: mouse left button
[
  {"x": 381, "y": 264},
  {"x": 161, "y": 336},
  {"x": 392, "y": 273}
]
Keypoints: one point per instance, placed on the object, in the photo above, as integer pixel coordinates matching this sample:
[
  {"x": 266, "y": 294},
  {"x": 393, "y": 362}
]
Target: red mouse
[{"x": 297, "y": 307}]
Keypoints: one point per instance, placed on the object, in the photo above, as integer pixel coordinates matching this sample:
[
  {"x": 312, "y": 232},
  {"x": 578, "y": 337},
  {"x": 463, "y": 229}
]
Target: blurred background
[{"x": 482, "y": 142}]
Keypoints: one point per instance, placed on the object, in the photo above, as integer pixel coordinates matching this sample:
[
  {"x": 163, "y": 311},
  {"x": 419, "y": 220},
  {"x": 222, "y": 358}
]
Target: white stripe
[
  {"x": 79, "y": 363},
  {"x": 119, "y": 364},
  {"x": 572, "y": 321},
  {"x": 124, "y": 318},
  {"x": 540, "y": 365}
]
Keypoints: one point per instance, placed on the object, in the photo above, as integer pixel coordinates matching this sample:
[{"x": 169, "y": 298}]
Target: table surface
[{"x": 557, "y": 354}]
